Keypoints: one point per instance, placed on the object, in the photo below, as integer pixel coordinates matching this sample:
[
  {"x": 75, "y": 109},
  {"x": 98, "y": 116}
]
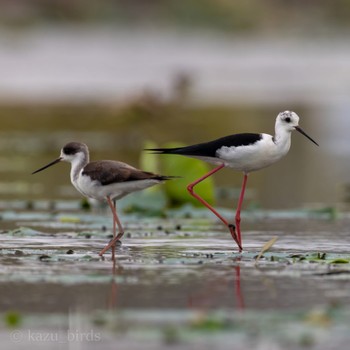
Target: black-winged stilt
[
  {"x": 244, "y": 152},
  {"x": 104, "y": 180}
]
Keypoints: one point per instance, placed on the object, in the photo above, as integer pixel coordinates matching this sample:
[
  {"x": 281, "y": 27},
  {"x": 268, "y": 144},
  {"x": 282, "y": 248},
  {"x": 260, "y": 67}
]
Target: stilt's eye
[{"x": 287, "y": 120}]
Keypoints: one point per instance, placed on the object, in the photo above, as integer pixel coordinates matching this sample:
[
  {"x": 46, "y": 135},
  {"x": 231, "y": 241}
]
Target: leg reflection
[{"x": 208, "y": 296}]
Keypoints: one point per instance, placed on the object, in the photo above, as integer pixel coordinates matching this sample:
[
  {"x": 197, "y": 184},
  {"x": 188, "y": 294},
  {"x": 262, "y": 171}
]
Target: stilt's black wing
[{"x": 209, "y": 149}]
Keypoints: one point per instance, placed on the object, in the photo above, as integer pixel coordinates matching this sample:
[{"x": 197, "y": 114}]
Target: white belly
[{"x": 94, "y": 189}]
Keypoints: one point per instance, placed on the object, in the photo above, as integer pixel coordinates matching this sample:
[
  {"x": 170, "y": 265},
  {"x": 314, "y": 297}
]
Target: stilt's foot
[
  {"x": 232, "y": 229},
  {"x": 115, "y": 242}
]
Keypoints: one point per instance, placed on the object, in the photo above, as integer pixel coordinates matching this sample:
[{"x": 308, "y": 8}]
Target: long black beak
[
  {"x": 48, "y": 165},
  {"x": 298, "y": 128}
]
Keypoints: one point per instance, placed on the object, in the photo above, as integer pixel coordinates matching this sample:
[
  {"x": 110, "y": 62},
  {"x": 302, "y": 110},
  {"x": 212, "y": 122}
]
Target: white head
[
  {"x": 289, "y": 121},
  {"x": 73, "y": 152}
]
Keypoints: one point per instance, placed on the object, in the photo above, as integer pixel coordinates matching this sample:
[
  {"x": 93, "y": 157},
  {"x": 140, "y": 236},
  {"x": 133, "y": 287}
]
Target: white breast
[{"x": 252, "y": 157}]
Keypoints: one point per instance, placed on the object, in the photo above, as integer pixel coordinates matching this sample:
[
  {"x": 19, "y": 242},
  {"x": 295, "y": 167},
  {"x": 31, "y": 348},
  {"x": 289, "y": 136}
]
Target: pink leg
[
  {"x": 116, "y": 237},
  {"x": 238, "y": 212},
  {"x": 114, "y": 288},
  {"x": 114, "y": 234},
  {"x": 239, "y": 295},
  {"x": 195, "y": 195}
]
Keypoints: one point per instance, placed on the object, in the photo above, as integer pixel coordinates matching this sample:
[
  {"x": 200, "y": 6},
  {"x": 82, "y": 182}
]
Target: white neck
[
  {"x": 78, "y": 163},
  {"x": 282, "y": 138}
]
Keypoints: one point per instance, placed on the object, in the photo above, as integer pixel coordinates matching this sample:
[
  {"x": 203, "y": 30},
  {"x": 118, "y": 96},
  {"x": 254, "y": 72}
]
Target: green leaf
[
  {"x": 150, "y": 203},
  {"x": 149, "y": 161},
  {"x": 190, "y": 170},
  {"x": 13, "y": 319},
  {"x": 339, "y": 261},
  {"x": 210, "y": 324}
]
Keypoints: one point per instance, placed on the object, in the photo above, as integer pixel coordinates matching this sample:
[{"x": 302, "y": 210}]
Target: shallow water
[
  {"x": 171, "y": 276},
  {"x": 197, "y": 254}
]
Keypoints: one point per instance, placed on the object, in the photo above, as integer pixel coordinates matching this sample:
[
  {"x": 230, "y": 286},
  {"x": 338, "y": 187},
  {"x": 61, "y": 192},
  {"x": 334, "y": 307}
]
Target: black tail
[
  {"x": 165, "y": 178},
  {"x": 164, "y": 150},
  {"x": 206, "y": 149}
]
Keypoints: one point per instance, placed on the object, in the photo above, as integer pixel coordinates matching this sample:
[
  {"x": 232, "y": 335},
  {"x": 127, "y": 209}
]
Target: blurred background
[{"x": 117, "y": 74}]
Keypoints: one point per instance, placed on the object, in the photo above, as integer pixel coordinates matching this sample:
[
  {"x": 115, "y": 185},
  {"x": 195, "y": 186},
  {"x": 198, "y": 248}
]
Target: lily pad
[
  {"x": 339, "y": 261},
  {"x": 189, "y": 170}
]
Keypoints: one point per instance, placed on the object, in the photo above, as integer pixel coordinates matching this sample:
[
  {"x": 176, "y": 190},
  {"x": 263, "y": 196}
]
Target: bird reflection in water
[{"x": 205, "y": 300}]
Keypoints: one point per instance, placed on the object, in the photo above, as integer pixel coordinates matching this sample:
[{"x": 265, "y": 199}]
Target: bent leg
[{"x": 190, "y": 189}]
